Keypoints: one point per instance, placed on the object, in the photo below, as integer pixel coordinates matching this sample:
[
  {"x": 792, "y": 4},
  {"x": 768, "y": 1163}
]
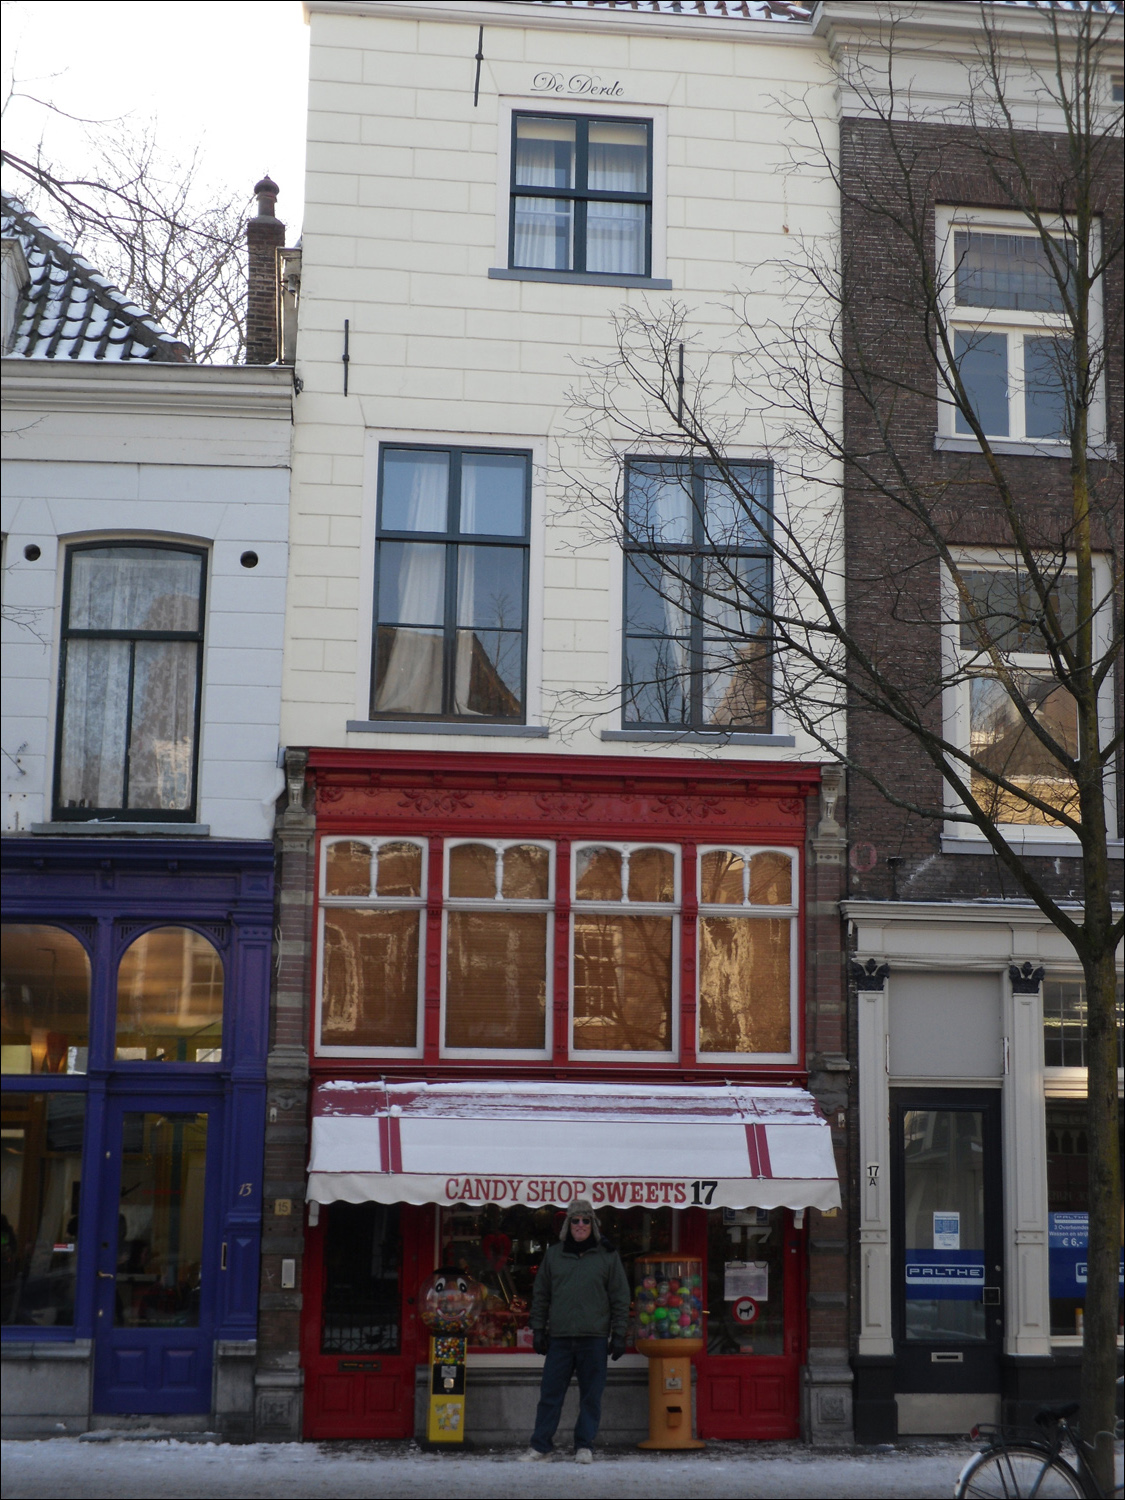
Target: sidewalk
[{"x": 120, "y": 1469}]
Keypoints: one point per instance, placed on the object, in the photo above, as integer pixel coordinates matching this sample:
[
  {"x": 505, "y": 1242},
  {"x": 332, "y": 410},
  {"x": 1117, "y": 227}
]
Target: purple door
[{"x": 158, "y": 1259}]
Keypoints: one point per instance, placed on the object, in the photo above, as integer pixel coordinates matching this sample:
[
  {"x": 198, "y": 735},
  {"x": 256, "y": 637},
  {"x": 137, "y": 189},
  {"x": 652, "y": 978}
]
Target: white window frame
[
  {"x": 625, "y": 907},
  {"x": 500, "y": 904},
  {"x": 371, "y": 903},
  {"x": 789, "y": 913},
  {"x": 1012, "y": 322},
  {"x": 956, "y": 706},
  {"x": 550, "y": 104}
]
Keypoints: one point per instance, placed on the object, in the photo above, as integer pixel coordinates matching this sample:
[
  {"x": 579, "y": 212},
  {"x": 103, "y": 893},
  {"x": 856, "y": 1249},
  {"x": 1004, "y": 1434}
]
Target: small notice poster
[
  {"x": 746, "y": 1279},
  {"x": 947, "y": 1230}
]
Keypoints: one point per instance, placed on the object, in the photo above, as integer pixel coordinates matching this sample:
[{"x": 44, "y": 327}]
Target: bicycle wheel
[{"x": 1016, "y": 1473}]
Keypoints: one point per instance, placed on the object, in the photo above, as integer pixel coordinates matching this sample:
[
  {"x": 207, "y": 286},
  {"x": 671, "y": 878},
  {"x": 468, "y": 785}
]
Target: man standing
[{"x": 579, "y": 1311}]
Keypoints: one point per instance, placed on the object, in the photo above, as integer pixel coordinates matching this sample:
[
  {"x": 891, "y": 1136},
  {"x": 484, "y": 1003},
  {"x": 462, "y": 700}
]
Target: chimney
[{"x": 265, "y": 235}]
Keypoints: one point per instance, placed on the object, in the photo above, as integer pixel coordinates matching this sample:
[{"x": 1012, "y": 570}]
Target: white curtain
[
  {"x": 135, "y": 588},
  {"x": 615, "y": 238},
  {"x": 414, "y": 597},
  {"x": 543, "y": 233}
]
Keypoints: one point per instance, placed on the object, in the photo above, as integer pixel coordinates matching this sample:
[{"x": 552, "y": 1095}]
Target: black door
[{"x": 948, "y": 1240}]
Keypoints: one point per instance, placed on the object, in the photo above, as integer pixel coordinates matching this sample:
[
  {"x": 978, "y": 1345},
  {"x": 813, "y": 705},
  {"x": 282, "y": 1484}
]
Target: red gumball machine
[
  {"x": 449, "y": 1303},
  {"x": 668, "y": 1302}
]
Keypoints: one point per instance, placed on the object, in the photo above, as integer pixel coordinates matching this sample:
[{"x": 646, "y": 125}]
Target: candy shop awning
[{"x": 545, "y": 1143}]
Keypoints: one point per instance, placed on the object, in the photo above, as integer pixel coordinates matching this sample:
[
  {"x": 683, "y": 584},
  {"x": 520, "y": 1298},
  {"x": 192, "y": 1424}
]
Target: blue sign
[
  {"x": 944, "y": 1275},
  {"x": 1068, "y": 1236}
]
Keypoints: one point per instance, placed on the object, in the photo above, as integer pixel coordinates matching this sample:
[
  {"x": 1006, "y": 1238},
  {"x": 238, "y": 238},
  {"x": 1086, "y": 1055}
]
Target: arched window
[
  {"x": 45, "y": 991},
  {"x": 170, "y": 999}
]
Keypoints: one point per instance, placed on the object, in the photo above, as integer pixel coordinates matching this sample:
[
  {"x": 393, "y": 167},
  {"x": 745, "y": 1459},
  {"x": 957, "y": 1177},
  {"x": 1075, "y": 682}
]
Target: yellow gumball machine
[
  {"x": 448, "y": 1304},
  {"x": 668, "y": 1302}
]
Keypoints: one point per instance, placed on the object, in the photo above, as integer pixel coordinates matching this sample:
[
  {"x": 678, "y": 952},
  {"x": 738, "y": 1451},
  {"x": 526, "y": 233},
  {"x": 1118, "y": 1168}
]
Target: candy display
[{"x": 668, "y": 1302}]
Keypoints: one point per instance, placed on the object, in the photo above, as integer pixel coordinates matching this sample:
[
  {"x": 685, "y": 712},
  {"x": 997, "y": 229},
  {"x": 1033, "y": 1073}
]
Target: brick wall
[{"x": 893, "y": 853}]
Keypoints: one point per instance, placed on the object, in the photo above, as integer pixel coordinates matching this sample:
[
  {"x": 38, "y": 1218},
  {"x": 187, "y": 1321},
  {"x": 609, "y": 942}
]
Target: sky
[{"x": 227, "y": 75}]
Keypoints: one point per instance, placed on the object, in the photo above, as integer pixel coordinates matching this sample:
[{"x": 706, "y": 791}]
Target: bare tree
[
  {"x": 896, "y": 634},
  {"x": 149, "y": 223}
]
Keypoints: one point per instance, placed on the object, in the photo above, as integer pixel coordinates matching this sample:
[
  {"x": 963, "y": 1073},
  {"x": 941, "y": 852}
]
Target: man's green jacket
[{"x": 581, "y": 1296}]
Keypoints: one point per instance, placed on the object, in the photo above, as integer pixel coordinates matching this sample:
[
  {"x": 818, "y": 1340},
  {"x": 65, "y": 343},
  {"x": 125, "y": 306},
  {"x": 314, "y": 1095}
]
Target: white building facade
[{"x": 476, "y": 680}]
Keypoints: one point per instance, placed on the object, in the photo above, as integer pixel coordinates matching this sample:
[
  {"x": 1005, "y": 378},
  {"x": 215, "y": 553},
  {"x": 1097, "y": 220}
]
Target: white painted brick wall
[
  {"x": 399, "y": 233},
  {"x": 219, "y": 480}
]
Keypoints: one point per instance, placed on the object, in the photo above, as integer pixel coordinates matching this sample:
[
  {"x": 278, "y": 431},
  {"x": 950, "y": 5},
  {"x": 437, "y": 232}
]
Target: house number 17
[{"x": 703, "y": 1192}]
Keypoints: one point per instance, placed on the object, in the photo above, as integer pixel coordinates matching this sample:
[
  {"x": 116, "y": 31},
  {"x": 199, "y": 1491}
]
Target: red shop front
[{"x": 540, "y": 977}]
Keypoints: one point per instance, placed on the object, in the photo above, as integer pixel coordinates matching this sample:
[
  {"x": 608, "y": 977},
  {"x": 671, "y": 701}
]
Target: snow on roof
[
  {"x": 68, "y": 308},
  {"x": 749, "y": 10}
]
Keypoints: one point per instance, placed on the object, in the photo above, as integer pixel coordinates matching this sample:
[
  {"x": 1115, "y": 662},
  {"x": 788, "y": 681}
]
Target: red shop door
[
  {"x": 359, "y": 1337},
  {"x": 748, "y": 1378}
]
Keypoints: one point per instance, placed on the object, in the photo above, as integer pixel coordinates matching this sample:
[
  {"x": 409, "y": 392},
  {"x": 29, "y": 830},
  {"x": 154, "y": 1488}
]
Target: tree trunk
[{"x": 1099, "y": 1354}]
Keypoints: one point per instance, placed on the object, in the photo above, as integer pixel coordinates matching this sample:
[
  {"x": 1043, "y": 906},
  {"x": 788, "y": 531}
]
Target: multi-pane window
[
  {"x": 451, "y": 584},
  {"x": 625, "y": 939},
  {"x": 498, "y": 930},
  {"x": 1005, "y": 293},
  {"x": 1064, "y": 1023},
  {"x": 372, "y": 915},
  {"x": 747, "y": 952},
  {"x": 130, "y": 675},
  {"x": 998, "y": 609},
  {"x": 697, "y": 576},
  {"x": 581, "y": 195},
  {"x": 549, "y": 950}
]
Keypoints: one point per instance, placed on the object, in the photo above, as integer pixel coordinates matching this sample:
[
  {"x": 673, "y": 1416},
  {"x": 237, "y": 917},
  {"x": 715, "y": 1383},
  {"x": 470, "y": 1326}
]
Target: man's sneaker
[
  {"x": 583, "y": 1456},
  {"x": 533, "y": 1455}
]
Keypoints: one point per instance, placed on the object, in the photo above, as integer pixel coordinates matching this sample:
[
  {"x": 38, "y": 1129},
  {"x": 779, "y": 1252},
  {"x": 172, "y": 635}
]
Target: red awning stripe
[{"x": 758, "y": 1150}]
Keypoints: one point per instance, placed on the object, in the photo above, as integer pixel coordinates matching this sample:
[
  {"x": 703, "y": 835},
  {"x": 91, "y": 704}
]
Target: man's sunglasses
[{"x": 581, "y": 1221}]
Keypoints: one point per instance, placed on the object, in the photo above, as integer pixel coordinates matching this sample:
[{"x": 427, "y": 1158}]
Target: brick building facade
[{"x": 961, "y": 988}]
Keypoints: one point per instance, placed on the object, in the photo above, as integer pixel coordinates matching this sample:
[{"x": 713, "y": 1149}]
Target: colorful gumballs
[{"x": 649, "y": 1283}]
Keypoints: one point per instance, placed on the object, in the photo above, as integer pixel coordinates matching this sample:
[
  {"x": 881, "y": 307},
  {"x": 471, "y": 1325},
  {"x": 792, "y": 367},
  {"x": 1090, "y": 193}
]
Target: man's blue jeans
[{"x": 585, "y": 1358}]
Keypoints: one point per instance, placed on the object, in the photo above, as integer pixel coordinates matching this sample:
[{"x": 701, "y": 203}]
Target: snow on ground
[{"x": 175, "y": 1470}]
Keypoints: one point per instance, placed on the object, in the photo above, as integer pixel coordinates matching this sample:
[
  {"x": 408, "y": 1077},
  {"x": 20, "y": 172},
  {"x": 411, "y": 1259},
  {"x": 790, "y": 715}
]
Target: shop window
[
  {"x": 170, "y": 999},
  {"x": 1064, "y": 1023},
  {"x": 503, "y": 1247},
  {"x": 747, "y": 932},
  {"x": 696, "y": 557},
  {"x": 581, "y": 195},
  {"x": 745, "y": 1259},
  {"x": 451, "y": 584},
  {"x": 129, "y": 682},
  {"x": 625, "y": 949},
  {"x": 372, "y": 925},
  {"x": 42, "y": 1176},
  {"x": 498, "y": 941},
  {"x": 1068, "y": 1198},
  {"x": 44, "y": 999},
  {"x": 361, "y": 1311},
  {"x": 1005, "y": 290}
]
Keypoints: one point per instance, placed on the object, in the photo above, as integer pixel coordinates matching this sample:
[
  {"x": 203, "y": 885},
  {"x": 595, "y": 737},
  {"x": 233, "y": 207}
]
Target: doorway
[
  {"x": 158, "y": 1259},
  {"x": 948, "y": 1265},
  {"x": 360, "y": 1338},
  {"x": 748, "y": 1376}
]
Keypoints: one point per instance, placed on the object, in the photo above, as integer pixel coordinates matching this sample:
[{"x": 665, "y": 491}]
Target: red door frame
[
  {"x": 755, "y": 1397},
  {"x": 360, "y": 1395}
]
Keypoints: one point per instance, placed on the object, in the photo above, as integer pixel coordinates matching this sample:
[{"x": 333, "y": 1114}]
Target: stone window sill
[
  {"x": 420, "y": 726},
  {"x": 699, "y": 737},
  {"x": 1014, "y": 447},
  {"x": 579, "y": 278},
  {"x": 102, "y": 826},
  {"x": 1029, "y": 848}
]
